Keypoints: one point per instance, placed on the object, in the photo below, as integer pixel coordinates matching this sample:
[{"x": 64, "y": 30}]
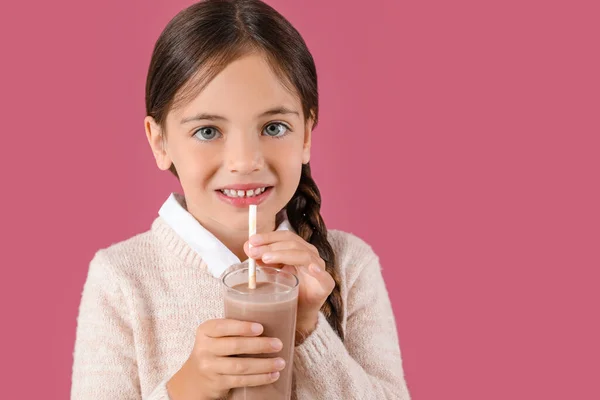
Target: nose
[{"x": 243, "y": 153}]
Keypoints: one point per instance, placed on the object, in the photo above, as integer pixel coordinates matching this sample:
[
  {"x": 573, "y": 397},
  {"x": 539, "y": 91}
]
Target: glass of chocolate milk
[{"x": 273, "y": 304}]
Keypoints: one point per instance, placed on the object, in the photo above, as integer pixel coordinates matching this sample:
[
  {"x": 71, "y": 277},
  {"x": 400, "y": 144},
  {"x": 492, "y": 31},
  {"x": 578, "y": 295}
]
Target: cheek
[
  {"x": 290, "y": 169},
  {"x": 195, "y": 165},
  {"x": 286, "y": 156}
]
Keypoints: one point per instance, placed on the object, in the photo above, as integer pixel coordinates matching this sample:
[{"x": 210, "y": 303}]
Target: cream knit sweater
[{"x": 144, "y": 298}]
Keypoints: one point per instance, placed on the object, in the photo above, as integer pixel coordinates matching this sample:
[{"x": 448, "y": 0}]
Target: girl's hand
[
  {"x": 288, "y": 251},
  {"x": 209, "y": 372}
]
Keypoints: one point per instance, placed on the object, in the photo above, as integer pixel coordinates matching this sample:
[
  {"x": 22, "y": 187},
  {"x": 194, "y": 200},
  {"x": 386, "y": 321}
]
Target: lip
[
  {"x": 244, "y": 201},
  {"x": 246, "y": 186}
]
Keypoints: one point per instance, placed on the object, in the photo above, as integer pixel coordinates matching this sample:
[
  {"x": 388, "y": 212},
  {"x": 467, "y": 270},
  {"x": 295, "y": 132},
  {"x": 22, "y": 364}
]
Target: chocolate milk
[{"x": 272, "y": 304}]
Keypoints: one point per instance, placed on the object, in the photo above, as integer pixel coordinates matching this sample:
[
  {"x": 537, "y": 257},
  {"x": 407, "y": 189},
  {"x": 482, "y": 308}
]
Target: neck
[
  {"x": 233, "y": 239},
  {"x": 234, "y": 242}
]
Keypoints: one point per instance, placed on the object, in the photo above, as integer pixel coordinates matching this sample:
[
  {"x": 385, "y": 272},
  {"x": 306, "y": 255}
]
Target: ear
[
  {"x": 307, "y": 140},
  {"x": 156, "y": 140}
]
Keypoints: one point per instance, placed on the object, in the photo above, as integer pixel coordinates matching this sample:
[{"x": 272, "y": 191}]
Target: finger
[
  {"x": 322, "y": 276},
  {"x": 324, "y": 279},
  {"x": 258, "y": 260},
  {"x": 272, "y": 237},
  {"x": 290, "y": 257},
  {"x": 317, "y": 285},
  {"x": 257, "y": 252},
  {"x": 290, "y": 269},
  {"x": 247, "y": 366},
  {"x": 260, "y": 263},
  {"x": 235, "y": 381},
  {"x": 231, "y": 346},
  {"x": 217, "y": 328}
]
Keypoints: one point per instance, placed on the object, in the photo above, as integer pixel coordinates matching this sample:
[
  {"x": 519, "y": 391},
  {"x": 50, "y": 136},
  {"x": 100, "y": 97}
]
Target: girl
[{"x": 231, "y": 101}]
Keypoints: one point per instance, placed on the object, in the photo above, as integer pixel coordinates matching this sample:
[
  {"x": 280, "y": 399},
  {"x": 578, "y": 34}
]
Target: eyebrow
[{"x": 214, "y": 117}]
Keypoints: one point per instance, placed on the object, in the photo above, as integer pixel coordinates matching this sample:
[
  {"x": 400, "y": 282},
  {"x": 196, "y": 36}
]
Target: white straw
[{"x": 251, "y": 261}]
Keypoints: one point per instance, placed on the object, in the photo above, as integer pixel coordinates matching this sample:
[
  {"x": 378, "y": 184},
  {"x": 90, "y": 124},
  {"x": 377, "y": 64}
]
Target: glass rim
[{"x": 245, "y": 270}]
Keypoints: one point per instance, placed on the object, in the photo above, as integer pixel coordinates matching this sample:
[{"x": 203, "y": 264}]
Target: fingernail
[
  {"x": 274, "y": 375},
  {"x": 276, "y": 344},
  {"x": 315, "y": 268},
  {"x": 255, "y": 239},
  {"x": 280, "y": 363},
  {"x": 267, "y": 257},
  {"x": 256, "y": 328}
]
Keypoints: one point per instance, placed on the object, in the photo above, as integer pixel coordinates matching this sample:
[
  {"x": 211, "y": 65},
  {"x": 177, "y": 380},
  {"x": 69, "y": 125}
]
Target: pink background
[{"x": 459, "y": 138}]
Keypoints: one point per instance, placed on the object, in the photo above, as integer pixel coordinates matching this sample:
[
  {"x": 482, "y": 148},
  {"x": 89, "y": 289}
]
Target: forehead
[{"x": 243, "y": 89}]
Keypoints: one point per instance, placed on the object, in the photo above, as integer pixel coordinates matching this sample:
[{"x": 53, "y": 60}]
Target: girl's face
[{"x": 243, "y": 133}]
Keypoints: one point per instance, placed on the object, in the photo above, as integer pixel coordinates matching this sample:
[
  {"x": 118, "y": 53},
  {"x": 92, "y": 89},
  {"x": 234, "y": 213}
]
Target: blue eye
[
  {"x": 206, "y": 133},
  {"x": 276, "y": 129}
]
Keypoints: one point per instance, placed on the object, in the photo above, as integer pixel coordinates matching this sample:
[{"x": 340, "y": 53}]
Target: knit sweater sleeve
[
  {"x": 368, "y": 365},
  {"x": 104, "y": 365}
]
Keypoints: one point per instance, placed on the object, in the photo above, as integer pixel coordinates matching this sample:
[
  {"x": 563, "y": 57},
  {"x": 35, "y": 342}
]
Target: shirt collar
[{"x": 214, "y": 253}]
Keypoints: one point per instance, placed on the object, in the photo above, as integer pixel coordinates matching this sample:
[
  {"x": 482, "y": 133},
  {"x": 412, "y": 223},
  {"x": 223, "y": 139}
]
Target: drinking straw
[{"x": 251, "y": 261}]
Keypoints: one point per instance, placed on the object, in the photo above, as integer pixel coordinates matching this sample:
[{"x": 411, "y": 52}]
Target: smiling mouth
[{"x": 235, "y": 194}]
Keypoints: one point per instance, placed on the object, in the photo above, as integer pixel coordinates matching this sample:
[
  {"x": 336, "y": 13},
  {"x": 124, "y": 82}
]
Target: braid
[{"x": 303, "y": 212}]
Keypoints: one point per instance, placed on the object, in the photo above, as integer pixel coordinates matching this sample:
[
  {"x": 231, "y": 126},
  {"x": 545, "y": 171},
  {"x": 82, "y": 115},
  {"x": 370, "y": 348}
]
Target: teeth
[{"x": 243, "y": 193}]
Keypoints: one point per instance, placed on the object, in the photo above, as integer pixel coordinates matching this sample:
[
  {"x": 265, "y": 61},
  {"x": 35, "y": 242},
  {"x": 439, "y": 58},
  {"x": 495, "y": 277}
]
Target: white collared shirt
[{"x": 214, "y": 253}]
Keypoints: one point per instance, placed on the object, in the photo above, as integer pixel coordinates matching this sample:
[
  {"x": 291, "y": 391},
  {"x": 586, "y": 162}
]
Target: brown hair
[{"x": 204, "y": 38}]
